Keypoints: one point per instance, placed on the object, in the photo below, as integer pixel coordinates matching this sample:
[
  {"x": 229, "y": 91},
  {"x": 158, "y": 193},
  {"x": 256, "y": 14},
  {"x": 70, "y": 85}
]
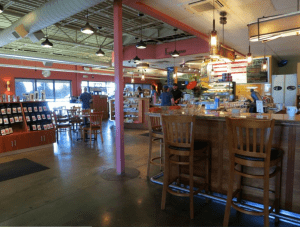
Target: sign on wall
[{"x": 254, "y": 73}]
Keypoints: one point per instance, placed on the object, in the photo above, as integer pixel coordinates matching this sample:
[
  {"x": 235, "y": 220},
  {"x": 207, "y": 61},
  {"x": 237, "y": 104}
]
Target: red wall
[{"x": 9, "y": 74}]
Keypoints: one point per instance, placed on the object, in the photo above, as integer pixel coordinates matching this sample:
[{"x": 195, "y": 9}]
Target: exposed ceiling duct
[{"x": 48, "y": 14}]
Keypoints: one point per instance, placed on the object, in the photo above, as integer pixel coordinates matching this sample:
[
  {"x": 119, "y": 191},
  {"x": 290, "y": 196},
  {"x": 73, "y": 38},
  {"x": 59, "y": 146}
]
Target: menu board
[{"x": 254, "y": 74}]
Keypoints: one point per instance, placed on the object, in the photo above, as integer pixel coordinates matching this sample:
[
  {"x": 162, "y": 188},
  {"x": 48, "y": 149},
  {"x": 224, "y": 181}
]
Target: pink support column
[{"x": 119, "y": 114}]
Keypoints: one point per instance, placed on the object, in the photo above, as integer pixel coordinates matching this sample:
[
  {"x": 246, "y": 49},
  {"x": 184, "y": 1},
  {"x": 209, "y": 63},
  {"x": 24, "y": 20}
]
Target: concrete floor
[{"x": 73, "y": 193}]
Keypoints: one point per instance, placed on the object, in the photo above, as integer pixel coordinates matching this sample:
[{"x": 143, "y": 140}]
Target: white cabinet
[{"x": 284, "y": 89}]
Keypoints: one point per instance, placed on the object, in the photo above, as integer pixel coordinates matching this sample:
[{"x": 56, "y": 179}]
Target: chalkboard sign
[{"x": 254, "y": 74}]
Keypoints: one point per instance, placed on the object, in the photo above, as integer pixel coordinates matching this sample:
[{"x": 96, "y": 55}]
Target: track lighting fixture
[{"x": 87, "y": 28}]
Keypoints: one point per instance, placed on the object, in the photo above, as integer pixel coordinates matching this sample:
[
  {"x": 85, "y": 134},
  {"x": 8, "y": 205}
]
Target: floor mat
[{"x": 18, "y": 168}]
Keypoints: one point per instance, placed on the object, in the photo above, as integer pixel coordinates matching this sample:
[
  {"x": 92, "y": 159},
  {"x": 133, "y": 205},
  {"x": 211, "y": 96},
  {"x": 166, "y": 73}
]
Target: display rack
[
  {"x": 134, "y": 111},
  {"x": 24, "y": 125},
  {"x": 224, "y": 90}
]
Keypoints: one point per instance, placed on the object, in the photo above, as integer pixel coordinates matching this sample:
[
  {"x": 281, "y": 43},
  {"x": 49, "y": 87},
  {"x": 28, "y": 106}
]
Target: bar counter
[{"x": 211, "y": 126}]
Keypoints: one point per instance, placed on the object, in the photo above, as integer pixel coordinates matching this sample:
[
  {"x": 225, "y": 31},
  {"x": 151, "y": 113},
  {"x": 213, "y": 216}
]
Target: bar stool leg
[
  {"x": 191, "y": 173},
  {"x": 240, "y": 183},
  {"x": 278, "y": 193},
  {"x": 266, "y": 195},
  {"x": 229, "y": 194},
  {"x": 149, "y": 155},
  {"x": 208, "y": 169},
  {"x": 166, "y": 182},
  {"x": 161, "y": 150}
]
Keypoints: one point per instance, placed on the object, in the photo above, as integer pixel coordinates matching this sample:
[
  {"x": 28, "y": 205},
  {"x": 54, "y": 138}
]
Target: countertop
[{"x": 220, "y": 116}]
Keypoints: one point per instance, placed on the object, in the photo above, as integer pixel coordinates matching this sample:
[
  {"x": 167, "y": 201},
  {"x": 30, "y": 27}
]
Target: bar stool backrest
[
  {"x": 154, "y": 123},
  {"x": 179, "y": 131},
  {"x": 72, "y": 113},
  {"x": 86, "y": 112},
  {"x": 250, "y": 137}
]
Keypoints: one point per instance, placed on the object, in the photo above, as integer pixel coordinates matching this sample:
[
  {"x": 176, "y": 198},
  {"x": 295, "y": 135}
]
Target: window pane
[
  {"x": 83, "y": 85},
  {"x": 24, "y": 86},
  {"x": 129, "y": 87},
  {"x": 47, "y": 86},
  {"x": 111, "y": 88},
  {"x": 62, "y": 90},
  {"x": 146, "y": 86}
]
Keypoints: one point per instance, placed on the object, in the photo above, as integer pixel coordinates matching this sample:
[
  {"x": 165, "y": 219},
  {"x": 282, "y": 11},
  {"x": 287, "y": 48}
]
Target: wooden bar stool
[
  {"x": 250, "y": 145},
  {"x": 180, "y": 149},
  {"x": 155, "y": 135}
]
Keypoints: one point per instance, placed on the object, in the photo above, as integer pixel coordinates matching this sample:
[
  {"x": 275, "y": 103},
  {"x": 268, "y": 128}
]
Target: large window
[
  {"x": 99, "y": 88},
  {"x": 56, "y": 90}
]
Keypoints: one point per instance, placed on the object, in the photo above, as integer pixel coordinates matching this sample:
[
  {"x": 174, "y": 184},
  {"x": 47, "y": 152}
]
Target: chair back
[
  {"x": 54, "y": 117},
  {"x": 86, "y": 112},
  {"x": 179, "y": 131},
  {"x": 174, "y": 107},
  {"x": 154, "y": 124},
  {"x": 250, "y": 137},
  {"x": 72, "y": 113},
  {"x": 96, "y": 119}
]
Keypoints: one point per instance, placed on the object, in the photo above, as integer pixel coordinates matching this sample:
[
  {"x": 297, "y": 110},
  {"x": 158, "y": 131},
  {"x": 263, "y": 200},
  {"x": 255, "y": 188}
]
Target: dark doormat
[
  {"x": 145, "y": 134},
  {"x": 18, "y": 168}
]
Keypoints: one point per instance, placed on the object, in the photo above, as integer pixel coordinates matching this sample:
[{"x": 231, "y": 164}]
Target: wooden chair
[
  {"x": 59, "y": 115},
  {"x": 155, "y": 134},
  {"x": 95, "y": 126},
  {"x": 180, "y": 149},
  {"x": 250, "y": 144},
  {"x": 59, "y": 126},
  {"x": 74, "y": 118}
]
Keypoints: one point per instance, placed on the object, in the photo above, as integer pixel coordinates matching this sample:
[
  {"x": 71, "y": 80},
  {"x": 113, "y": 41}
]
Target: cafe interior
[{"x": 87, "y": 139}]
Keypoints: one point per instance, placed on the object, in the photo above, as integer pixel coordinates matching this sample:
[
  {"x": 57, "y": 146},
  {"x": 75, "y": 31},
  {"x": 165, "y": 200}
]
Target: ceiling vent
[{"x": 202, "y": 6}]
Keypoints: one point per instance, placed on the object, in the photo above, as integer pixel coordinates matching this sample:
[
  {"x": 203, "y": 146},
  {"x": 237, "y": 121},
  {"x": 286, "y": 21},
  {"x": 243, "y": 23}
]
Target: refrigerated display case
[{"x": 224, "y": 90}]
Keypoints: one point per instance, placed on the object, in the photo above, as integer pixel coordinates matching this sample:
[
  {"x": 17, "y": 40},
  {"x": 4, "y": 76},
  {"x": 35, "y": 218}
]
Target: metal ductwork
[{"x": 48, "y": 14}]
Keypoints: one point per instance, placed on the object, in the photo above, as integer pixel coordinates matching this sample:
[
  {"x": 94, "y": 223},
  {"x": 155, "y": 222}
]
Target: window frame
[{"x": 53, "y": 82}]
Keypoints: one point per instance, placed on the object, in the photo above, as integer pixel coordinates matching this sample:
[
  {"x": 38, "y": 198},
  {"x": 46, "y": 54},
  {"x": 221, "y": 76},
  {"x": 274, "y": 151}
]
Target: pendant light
[
  {"x": 249, "y": 56},
  {"x": 100, "y": 52},
  {"x": 1, "y": 8},
  {"x": 141, "y": 44},
  {"x": 47, "y": 43},
  {"x": 136, "y": 60},
  {"x": 143, "y": 75},
  {"x": 213, "y": 36},
  {"x": 264, "y": 65},
  {"x": 175, "y": 53},
  {"x": 132, "y": 79},
  {"x": 87, "y": 28}
]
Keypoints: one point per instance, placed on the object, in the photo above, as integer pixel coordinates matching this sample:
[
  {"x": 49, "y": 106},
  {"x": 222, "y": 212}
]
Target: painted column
[{"x": 118, "y": 59}]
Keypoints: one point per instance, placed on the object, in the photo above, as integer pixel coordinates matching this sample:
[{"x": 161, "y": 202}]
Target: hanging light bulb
[
  {"x": 213, "y": 35},
  {"x": 264, "y": 65},
  {"x": 249, "y": 56},
  {"x": 87, "y": 28},
  {"x": 143, "y": 75},
  {"x": 141, "y": 44},
  {"x": 132, "y": 79}
]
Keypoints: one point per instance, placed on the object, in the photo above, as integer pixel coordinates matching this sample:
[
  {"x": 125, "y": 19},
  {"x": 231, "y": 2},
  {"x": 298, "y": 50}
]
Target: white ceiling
[{"x": 240, "y": 13}]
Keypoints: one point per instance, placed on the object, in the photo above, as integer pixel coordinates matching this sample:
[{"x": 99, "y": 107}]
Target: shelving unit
[
  {"x": 134, "y": 111},
  {"x": 25, "y": 125},
  {"x": 221, "y": 89}
]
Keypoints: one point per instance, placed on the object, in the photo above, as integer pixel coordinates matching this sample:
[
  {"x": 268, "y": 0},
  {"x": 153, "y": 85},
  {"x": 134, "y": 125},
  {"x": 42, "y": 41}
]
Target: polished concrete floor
[{"x": 73, "y": 193}]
